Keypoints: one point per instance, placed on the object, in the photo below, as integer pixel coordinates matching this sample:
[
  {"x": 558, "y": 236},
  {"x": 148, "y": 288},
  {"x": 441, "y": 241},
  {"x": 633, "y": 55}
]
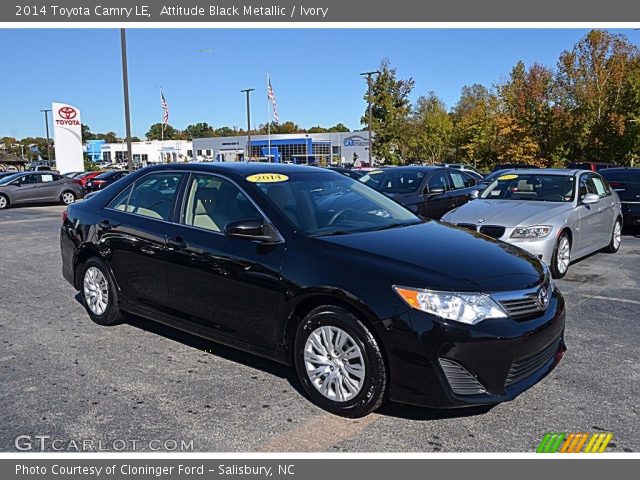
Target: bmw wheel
[
  {"x": 99, "y": 294},
  {"x": 616, "y": 238},
  {"x": 68, "y": 197},
  {"x": 561, "y": 257},
  {"x": 4, "y": 202},
  {"x": 339, "y": 362}
]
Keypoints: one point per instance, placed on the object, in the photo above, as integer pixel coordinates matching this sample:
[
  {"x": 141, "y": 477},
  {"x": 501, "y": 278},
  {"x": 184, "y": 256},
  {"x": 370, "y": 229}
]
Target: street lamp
[
  {"x": 369, "y": 75},
  {"x": 125, "y": 85},
  {"x": 248, "y": 91},
  {"x": 46, "y": 125}
]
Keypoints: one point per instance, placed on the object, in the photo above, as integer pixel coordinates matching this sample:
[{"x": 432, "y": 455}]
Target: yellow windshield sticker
[
  {"x": 267, "y": 178},
  {"x": 508, "y": 177}
]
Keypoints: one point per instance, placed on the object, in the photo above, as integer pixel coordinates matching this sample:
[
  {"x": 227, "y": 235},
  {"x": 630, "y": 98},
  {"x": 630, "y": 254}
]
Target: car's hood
[
  {"x": 508, "y": 213},
  {"x": 438, "y": 256}
]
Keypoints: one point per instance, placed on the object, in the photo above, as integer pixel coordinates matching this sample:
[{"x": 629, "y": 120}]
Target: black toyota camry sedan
[{"x": 365, "y": 299}]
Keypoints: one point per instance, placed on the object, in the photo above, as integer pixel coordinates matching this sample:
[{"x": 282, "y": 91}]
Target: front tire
[
  {"x": 339, "y": 362},
  {"x": 99, "y": 293},
  {"x": 616, "y": 237},
  {"x": 4, "y": 202},
  {"x": 561, "y": 256},
  {"x": 68, "y": 197}
]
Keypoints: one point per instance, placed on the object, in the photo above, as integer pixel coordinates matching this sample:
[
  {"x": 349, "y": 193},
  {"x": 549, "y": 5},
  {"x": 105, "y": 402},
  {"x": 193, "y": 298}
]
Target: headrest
[{"x": 523, "y": 186}]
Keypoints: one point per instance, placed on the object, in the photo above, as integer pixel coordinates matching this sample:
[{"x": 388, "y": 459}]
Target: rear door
[
  {"x": 462, "y": 185},
  {"x": 50, "y": 185},
  {"x": 132, "y": 229},
  {"x": 590, "y": 219}
]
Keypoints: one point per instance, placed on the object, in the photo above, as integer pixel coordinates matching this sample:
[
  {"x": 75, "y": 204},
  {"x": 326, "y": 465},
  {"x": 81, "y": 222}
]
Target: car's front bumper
[
  {"x": 542, "y": 248},
  {"x": 504, "y": 356}
]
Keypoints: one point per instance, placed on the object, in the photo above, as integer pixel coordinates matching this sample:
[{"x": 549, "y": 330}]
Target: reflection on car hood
[
  {"x": 508, "y": 213},
  {"x": 438, "y": 256}
]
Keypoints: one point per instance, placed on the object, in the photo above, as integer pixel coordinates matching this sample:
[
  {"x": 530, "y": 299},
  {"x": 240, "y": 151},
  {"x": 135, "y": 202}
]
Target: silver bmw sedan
[{"x": 557, "y": 215}]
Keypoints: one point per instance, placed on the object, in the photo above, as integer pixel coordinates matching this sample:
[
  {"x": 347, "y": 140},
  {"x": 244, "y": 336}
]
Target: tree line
[{"x": 585, "y": 108}]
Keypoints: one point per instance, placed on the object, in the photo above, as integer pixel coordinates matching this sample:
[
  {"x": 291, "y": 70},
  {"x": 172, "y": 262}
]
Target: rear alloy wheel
[
  {"x": 561, "y": 257},
  {"x": 68, "y": 198},
  {"x": 616, "y": 238},
  {"x": 4, "y": 202},
  {"x": 339, "y": 362},
  {"x": 99, "y": 294}
]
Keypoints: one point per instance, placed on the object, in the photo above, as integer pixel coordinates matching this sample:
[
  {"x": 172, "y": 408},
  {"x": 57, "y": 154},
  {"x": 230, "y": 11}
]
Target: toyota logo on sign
[{"x": 67, "y": 113}]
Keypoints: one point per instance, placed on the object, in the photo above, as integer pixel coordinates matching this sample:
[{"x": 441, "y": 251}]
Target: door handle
[{"x": 176, "y": 243}]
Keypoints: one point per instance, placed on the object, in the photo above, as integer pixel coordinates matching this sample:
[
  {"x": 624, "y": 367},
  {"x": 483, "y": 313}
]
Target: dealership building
[{"x": 300, "y": 148}]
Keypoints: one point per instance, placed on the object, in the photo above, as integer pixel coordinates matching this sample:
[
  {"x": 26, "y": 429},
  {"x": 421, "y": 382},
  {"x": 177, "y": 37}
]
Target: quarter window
[
  {"x": 601, "y": 188},
  {"x": 213, "y": 202}
]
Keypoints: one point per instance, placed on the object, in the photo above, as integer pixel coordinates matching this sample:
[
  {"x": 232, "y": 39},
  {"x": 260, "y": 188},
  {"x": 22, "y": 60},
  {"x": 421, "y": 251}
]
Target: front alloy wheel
[
  {"x": 339, "y": 362},
  {"x": 562, "y": 257}
]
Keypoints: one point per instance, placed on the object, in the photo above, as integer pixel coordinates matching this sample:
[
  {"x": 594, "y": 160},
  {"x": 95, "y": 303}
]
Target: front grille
[
  {"x": 495, "y": 231},
  {"x": 460, "y": 380},
  {"x": 528, "y": 366},
  {"x": 522, "y": 307},
  {"x": 468, "y": 226}
]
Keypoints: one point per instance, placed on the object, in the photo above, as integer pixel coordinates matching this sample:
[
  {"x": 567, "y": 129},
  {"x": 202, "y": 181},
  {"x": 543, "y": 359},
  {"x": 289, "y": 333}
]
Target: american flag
[
  {"x": 272, "y": 99},
  {"x": 165, "y": 109}
]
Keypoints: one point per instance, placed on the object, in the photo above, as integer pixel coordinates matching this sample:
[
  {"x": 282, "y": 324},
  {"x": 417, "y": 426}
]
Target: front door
[
  {"x": 221, "y": 285},
  {"x": 437, "y": 204},
  {"x": 590, "y": 217}
]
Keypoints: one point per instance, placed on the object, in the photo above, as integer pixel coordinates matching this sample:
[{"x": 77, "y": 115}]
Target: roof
[
  {"x": 546, "y": 171},
  {"x": 239, "y": 168}
]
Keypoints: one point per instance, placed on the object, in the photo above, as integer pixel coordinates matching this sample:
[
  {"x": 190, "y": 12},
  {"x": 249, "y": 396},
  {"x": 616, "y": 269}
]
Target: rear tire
[
  {"x": 99, "y": 293},
  {"x": 561, "y": 257},
  {"x": 616, "y": 237},
  {"x": 339, "y": 362},
  {"x": 4, "y": 202},
  {"x": 68, "y": 197}
]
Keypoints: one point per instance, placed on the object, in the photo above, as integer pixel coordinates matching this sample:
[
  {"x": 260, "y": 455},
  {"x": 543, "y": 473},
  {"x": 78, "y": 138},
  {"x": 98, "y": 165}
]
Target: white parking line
[
  {"x": 613, "y": 299},
  {"x": 29, "y": 220}
]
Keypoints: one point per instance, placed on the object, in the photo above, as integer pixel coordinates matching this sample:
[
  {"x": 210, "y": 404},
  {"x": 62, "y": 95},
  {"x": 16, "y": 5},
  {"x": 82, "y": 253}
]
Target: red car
[{"x": 83, "y": 179}]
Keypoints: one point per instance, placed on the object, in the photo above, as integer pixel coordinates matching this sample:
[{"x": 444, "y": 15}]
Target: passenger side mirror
[
  {"x": 590, "y": 198},
  {"x": 436, "y": 191},
  {"x": 252, "y": 229},
  {"x": 473, "y": 194}
]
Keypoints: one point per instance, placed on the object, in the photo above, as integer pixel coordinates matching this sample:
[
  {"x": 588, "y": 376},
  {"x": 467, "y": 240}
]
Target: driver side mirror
[
  {"x": 590, "y": 199},
  {"x": 252, "y": 229},
  {"x": 473, "y": 194},
  {"x": 436, "y": 191}
]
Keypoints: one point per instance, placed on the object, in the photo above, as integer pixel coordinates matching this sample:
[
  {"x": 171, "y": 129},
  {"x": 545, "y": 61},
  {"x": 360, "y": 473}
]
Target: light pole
[
  {"x": 46, "y": 126},
  {"x": 125, "y": 84},
  {"x": 248, "y": 91},
  {"x": 369, "y": 75}
]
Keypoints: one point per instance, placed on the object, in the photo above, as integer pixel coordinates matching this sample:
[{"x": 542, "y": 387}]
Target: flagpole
[
  {"x": 162, "y": 132},
  {"x": 268, "y": 121}
]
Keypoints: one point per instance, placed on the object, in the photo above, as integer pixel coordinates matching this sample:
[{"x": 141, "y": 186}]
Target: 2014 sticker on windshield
[
  {"x": 267, "y": 178},
  {"x": 508, "y": 177}
]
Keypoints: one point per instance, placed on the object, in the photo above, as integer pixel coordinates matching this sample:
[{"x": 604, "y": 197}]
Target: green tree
[
  {"x": 226, "y": 132},
  {"x": 594, "y": 84},
  {"x": 390, "y": 109},
  {"x": 155, "y": 132},
  {"x": 199, "y": 130},
  {"x": 431, "y": 130}
]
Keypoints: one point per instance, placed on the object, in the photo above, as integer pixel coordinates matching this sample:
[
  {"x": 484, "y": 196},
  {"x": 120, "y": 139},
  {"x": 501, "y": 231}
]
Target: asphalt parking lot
[{"x": 69, "y": 379}]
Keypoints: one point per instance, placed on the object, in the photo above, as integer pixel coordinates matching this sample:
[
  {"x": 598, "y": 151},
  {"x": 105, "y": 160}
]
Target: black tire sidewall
[
  {"x": 111, "y": 316},
  {"x": 372, "y": 393},
  {"x": 6, "y": 205}
]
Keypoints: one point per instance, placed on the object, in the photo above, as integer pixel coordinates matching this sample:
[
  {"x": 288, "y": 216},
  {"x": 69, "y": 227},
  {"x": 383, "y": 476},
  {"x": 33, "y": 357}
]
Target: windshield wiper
[{"x": 394, "y": 225}]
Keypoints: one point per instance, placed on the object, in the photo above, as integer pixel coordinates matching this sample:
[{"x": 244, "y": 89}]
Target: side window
[
  {"x": 469, "y": 181},
  {"x": 152, "y": 196},
  {"x": 30, "y": 179},
  {"x": 600, "y": 186},
  {"x": 213, "y": 202},
  {"x": 438, "y": 180},
  {"x": 47, "y": 177},
  {"x": 457, "y": 179},
  {"x": 586, "y": 186}
]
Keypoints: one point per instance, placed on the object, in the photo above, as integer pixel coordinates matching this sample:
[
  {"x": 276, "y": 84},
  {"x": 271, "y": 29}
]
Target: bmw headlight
[
  {"x": 535, "y": 231},
  {"x": 469, "y": 308}
]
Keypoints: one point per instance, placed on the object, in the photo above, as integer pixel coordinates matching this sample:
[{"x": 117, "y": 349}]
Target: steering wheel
[{"x": 338, "y": 214}]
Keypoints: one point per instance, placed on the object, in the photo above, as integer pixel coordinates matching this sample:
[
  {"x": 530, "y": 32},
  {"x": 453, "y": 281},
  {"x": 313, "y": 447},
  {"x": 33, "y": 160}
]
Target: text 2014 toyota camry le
[{"x": 365, "y": 300}]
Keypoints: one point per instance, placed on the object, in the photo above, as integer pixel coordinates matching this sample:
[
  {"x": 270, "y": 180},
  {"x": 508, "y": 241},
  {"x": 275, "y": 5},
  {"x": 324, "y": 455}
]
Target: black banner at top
[{"x": 319, "y": 11}]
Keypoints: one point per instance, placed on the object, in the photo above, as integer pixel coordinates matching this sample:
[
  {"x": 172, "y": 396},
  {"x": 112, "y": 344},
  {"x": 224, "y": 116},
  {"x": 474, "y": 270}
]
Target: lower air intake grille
[
  {"x": 460, "y": 380},
  {"x": 528, "y": 366},
  {"x": 495, "y": 231}
]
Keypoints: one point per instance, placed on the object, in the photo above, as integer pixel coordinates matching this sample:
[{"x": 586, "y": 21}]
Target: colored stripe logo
[{"x": 584, "y": 442}]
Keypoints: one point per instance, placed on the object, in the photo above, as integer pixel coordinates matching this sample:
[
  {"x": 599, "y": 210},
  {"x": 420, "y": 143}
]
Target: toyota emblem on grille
[{"x": 543, "y": 298}]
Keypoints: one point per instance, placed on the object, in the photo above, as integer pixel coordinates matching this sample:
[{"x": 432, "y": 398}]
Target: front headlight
[
  {"x": 535, "y": 231},
  {"x": 469, "y": 308}
]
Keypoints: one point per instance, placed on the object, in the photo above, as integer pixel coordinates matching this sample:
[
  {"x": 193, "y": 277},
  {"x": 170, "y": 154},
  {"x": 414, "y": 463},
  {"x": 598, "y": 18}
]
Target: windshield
[
  {"x": 394, "y": 181},
  {"x": 10, "y": 178},
  {"x": 534, "y": 187},
  {"x": 332, "y": 204}
]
